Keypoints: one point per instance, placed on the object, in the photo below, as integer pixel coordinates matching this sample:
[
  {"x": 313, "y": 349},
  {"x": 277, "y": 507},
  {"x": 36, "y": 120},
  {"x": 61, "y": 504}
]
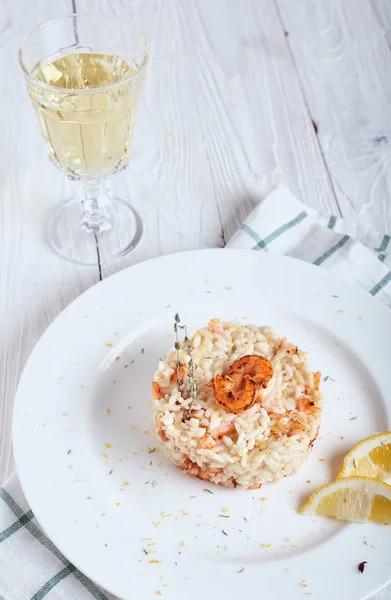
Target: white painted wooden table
[{"x": 239, "y": 95}]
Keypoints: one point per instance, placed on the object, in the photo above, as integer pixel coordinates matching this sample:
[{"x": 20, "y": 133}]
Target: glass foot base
[{"x": 72, "y": 241}]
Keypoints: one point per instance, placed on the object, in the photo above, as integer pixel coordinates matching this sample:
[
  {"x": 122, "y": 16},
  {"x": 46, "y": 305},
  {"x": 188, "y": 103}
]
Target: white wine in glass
[
  {"x": 88, "y": 134},
  {"x": 85, "y": 93}
]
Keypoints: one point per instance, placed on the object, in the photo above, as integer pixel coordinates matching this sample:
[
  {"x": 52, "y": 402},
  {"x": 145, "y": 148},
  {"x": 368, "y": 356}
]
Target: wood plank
[
  {"x": 382, "y": 9},
  {"x": 165, "y": 180},
  {"x": 35, "y": 283},
  {"x": 222, "y": 119},
  {"x": 343, "y": 56}
]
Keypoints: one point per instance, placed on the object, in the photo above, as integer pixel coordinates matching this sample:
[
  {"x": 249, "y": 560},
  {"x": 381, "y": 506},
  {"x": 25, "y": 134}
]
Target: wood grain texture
[
  {"x": 35, "y": 284},
  {"x": 227, "y": 112},
  {"x": 382, "y": 9},
  {"x": 343, "y": 55},
  {"x": 222, "y": 119}
]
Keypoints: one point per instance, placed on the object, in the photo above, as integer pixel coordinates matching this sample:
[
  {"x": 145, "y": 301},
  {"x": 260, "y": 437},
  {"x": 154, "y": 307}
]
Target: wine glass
[{"x": 84, "y": 75}]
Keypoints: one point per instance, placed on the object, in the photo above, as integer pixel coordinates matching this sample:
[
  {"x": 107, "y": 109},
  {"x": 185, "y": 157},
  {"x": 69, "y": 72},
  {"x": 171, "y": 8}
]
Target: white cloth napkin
[
  {"x": 283, "y": 225},
  {"x": 31, "y": 567}
]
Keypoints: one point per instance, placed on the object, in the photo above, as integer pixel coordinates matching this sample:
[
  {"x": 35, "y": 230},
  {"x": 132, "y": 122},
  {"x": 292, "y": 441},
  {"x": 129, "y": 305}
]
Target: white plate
[{"x": 101, "y": 353}]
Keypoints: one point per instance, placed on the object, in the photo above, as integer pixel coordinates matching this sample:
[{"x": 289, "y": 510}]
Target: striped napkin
[
  {"x": 283, "y": 225},
  {"x": 31, "y": 567}
]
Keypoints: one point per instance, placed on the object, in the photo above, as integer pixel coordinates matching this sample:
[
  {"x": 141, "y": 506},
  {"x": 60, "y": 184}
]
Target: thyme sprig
[{"x": 192, "y": 388}]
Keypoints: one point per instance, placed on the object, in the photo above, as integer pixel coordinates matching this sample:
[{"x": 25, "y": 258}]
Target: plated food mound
[{"x": 236, "y": 404}]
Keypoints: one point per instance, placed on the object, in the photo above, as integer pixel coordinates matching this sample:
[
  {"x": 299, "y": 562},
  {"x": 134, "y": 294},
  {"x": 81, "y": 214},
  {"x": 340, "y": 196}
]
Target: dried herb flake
[
  {"x": 185, "y": 345},
  {"x": 207, "y": 491},
  {"x": 361, "y": 566}
]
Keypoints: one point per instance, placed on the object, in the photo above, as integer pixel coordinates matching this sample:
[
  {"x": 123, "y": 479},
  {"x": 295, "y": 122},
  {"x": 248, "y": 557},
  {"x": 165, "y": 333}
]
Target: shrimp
[
  {"x": 231, "y": 483},
  {"x": 195, "y": 471},
  {"x": 236, "y": 391},
  {"x": 288, "y": 425},
  {"x": 222, "y": 429},
  {"x": 233, "y": 398},
  {"x": 290, "y": 348},
  {"x": 157, "y": 391},
  {"x": 317, "y": 377},
  {"x": 161, "y": 433},
  {"x": 207, "y": 442},
  {"x": 178, "y": 374},
  {"x": 215, "y": 326},
  {"x": 191, "y": 467},
  {"x": 258, "y": 368},
  {"x": 283, "y": 424},
  {"x": 208, "y": 474},
  {"x": 305, "y": 404},
  {"x": 296, "y": 428}
]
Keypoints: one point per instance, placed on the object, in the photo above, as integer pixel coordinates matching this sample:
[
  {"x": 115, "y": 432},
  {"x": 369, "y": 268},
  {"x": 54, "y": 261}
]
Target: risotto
[{"x": 236, "y": 405}]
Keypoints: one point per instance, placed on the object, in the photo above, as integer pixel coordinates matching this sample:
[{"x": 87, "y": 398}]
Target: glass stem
[{"x": 95, "y": 199}]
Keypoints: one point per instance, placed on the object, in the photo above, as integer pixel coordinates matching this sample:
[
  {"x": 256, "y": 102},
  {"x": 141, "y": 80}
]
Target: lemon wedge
[
  {"x": 355, "y": 499},
  {"x": 370, "y": 458}
]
